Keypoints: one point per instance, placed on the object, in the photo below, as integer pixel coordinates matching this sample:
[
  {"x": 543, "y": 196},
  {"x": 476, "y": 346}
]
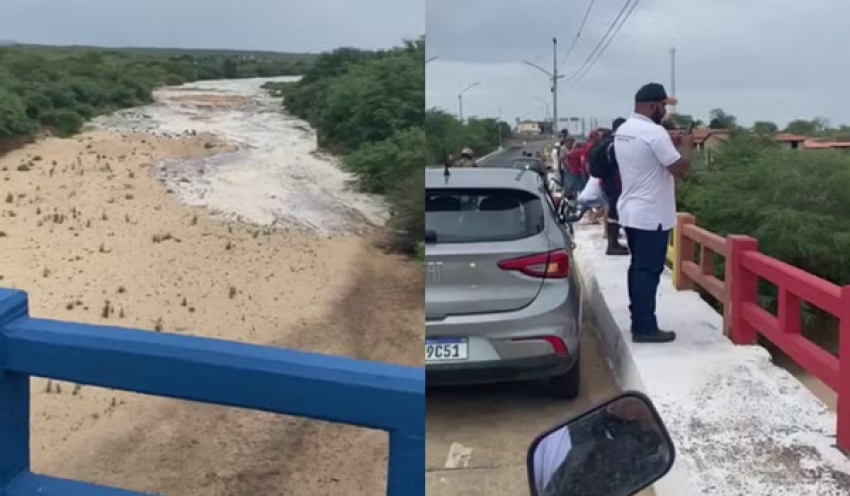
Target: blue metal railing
[{"x": 335, "y": 389}]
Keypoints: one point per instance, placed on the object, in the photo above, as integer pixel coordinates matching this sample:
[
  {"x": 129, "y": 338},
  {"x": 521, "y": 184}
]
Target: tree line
[
  {"x": 58, "y": 89},
  {"x": 818, "y": 127},
  {"x": 369, "y": 107}
]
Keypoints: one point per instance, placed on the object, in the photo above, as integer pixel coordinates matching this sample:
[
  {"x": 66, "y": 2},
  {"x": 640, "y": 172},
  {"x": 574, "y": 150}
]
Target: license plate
[{"x": 441, "y": 350}]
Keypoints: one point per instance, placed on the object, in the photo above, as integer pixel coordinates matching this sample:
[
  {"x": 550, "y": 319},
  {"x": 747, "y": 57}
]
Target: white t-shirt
[
  {"x": 549, "y": 455},
  {"x": 555, "y": 153},
  {"x": 644, "y": 151}
]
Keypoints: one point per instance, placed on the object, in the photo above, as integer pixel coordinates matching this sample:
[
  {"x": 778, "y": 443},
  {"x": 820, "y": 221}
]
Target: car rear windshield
[{"x": 481, "y": 215}]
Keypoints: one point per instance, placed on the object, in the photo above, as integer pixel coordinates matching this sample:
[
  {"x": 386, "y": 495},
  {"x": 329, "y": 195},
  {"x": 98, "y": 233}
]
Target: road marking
[{"x": 459, "y": 456}]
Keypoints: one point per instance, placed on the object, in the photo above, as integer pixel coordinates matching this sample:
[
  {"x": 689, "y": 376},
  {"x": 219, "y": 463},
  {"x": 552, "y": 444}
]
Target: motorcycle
[{"x": 618, "y": 448}]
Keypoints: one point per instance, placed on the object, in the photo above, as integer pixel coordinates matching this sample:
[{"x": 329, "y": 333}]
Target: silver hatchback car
[{"x": 502, "y": 301}]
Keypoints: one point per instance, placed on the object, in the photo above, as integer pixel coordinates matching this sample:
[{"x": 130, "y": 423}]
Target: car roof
[{"x": 483, "y": 177}]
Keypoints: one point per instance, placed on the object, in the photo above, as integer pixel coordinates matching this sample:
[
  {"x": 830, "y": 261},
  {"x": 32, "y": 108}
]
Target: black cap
[{"x": 654, "y": 92}]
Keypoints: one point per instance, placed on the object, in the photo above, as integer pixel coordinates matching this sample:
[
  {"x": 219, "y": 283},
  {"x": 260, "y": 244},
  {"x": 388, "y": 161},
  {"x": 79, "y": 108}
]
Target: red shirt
[
  {"x": 575, "y": 159},
  {"x": 582, "y": 165}
]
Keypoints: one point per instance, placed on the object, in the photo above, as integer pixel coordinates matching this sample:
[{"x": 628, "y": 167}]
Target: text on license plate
[{"x": 437, "y": 350}]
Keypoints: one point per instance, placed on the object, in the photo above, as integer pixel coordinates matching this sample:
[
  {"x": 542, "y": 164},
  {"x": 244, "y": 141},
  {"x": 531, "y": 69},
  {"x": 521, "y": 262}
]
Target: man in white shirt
[{"x": 648, "y": 160}]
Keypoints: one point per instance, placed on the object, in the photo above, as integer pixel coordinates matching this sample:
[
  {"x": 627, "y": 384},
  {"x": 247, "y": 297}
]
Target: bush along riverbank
[
  {"x": 58, "y": 89},
  {"x": 794, "y": 202},
  {"x": 369, "y": 107}
]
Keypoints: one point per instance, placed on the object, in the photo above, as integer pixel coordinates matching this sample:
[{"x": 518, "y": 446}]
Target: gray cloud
[
  {"x": 758, "y": 59},
  {"x": 282, "y": 25}
]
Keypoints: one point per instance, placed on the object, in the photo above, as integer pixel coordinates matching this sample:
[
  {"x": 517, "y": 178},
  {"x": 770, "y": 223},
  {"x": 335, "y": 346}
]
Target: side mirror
[{"x": 616, "y": 449}]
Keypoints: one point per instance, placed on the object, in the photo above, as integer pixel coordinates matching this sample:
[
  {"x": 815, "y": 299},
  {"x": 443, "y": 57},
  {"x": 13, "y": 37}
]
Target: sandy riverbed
[{"x": 93, "y": 236}]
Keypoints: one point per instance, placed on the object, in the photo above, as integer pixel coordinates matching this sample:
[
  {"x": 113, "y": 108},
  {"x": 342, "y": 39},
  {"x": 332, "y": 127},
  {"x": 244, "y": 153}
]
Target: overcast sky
[
  {"x": 280, "y": 25},
  {"x": 757, "y": 59}
]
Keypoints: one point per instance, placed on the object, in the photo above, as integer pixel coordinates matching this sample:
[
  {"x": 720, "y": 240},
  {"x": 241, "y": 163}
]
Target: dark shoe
[
  {"x": 614, "y": 246},
  {"x": 657, "y": 336}
]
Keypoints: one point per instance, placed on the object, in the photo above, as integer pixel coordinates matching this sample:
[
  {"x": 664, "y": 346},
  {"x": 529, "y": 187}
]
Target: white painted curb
[{"x": 677, "y": 481}]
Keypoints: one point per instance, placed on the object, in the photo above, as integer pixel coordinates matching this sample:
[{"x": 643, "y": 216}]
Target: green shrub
[
  {"x": 66, "y": 122},
  {"x": 58, "y": 87}
]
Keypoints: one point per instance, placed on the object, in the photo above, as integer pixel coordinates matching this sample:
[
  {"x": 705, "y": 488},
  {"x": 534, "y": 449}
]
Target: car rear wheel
[{"x": 566, "y": 386}]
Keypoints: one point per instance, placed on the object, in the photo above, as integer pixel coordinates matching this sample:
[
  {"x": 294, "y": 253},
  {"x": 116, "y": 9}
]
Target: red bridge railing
[{"x": 744, "y": 319}]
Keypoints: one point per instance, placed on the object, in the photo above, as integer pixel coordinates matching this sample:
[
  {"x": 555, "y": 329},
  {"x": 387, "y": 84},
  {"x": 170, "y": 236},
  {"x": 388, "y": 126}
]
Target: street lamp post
[
  {"x": 554, "y": 77},
  {"x": 545, "y": 108},
  {"x": 460, "y": 100}
]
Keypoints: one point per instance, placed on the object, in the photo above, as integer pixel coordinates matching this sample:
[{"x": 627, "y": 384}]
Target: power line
[
  {"x": 605, "y": 47},
  {"x": 578, "y": 33},
  {"x": 601, "y": 41}
]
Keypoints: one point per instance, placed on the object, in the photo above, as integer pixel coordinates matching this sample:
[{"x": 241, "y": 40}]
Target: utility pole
[
  {"x": 554, "y": 77},
  {"x": 554, "y": 86},
  {"x": 673, "y": 74},
  {"x": 460, "y": 100}
]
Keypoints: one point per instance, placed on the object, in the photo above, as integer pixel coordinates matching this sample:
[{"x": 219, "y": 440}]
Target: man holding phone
[{"x": 649, "y": 159}]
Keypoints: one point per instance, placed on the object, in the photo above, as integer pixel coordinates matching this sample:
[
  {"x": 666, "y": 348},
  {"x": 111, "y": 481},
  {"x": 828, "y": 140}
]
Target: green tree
[
  {"x": 806, "y": 127},
  {"x": 764, "y": 127},
  {"x": 13, "y": 116},
  {"x": 60, "y": 87},
  {"x": 685, "y": 120},
  {"x": 229, "y": 68},
  {"x": 719, "y": 119}
]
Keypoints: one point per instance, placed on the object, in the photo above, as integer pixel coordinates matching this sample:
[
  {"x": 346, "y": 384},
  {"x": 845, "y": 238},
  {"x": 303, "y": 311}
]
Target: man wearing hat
[{"x": 648, "y": 160}]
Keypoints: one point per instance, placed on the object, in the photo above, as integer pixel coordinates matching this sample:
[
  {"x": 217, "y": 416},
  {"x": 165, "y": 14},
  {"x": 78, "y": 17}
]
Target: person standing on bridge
[
  {"x": 567, "y": 145},
  {"x": 603, "y": 164},
  {"x": 466, "y": 160},
  {"x": 575, "y": 165},
  {"x": 648, "y": 161}
]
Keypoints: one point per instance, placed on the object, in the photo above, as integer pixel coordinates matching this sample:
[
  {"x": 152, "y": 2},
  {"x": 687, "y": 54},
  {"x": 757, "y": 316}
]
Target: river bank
[{"x": 184, "y": 217}]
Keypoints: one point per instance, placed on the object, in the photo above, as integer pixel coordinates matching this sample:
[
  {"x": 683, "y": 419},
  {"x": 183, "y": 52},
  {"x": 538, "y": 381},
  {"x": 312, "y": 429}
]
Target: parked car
[
  {"x": 502, "y": 301},
  {"x": 530, "y": 163}
]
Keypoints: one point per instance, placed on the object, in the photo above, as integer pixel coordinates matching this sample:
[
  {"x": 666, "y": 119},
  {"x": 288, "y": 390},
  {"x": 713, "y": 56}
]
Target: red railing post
[
  {"x": 843, "y": 410},
  {"x": 727, "y": 292},
  {"x": 789, "y": 312},
  {"x": 685, "y": 251},
  {"x": 743, "y": 288}
]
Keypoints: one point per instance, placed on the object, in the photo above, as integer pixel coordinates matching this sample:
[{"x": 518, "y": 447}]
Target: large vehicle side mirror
[{"x": 616, "y": 449}]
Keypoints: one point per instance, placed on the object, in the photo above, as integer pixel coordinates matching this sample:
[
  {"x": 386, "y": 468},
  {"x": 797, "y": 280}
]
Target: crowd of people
[{"x": 628, "y": 172}]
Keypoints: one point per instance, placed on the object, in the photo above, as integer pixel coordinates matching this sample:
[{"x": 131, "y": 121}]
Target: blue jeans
[
  {"x": 648, "y": 251},
  {"x": 577, "y": 182}
]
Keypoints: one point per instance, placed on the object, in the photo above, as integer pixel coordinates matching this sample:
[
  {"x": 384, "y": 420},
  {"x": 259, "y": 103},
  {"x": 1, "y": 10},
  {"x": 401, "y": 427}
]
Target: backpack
[{"x": 603, "y": 161}]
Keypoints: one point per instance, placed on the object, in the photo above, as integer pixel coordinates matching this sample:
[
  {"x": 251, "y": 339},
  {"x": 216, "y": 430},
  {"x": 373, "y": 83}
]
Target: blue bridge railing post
[
  {"x": 406, "y": 473},
  {"x": 14, "y": 398}
]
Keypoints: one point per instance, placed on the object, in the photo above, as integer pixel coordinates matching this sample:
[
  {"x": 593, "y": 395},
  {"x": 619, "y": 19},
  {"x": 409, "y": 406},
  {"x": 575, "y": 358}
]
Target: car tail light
[
  {"x": 557, "y": 343},
  {"x": 553, "y": 265},
  {"x": 557, "y": 201}
]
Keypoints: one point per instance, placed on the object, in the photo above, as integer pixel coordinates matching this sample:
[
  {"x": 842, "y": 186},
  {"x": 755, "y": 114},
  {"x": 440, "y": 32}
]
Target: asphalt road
[
  {"x": 478, "y": 436},
  {"x": 504, "y": 159}
]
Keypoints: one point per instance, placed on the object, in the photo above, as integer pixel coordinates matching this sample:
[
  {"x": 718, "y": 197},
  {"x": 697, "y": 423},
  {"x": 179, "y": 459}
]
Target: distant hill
[
  {"x": 8, "y": 42},
  {"x": 196, "y": 52}
]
